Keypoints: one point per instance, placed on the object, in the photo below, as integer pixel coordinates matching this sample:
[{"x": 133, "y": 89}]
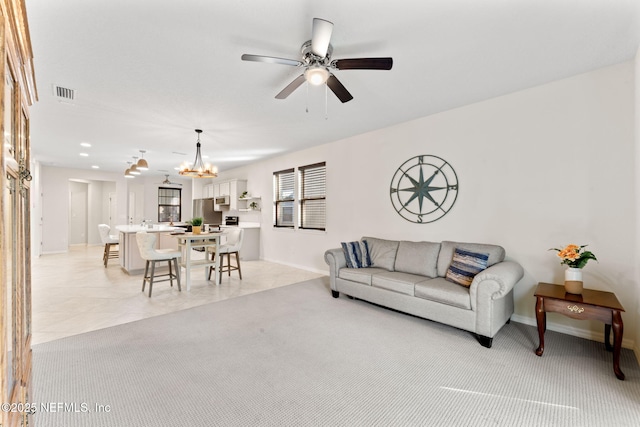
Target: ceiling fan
[
  {"x": 317, "y": 63},
  {"x": 167, "y": 182}
]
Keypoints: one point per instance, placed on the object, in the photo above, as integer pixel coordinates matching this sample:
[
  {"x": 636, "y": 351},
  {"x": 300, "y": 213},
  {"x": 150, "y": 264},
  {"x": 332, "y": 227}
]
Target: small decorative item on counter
[
  {"x": 196, "y": 224},
  {"x": 575, "y": 258}
]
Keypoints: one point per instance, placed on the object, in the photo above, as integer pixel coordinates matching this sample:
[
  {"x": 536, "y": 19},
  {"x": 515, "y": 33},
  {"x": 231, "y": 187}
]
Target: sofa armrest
[
  {"x": 492, "y": 297},
  {"x": 336, "y": 260},
  {"x": 504, "y": 275}
]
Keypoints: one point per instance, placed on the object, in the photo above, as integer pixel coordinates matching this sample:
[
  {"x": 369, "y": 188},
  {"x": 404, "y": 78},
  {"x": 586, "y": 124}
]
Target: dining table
[{"x": 187, "y": 242}]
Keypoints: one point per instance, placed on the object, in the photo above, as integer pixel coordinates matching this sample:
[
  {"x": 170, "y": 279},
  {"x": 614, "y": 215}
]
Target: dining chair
[
  {"x": 231, "y": 246},
  {"x": 110, "y": 243},
  {"x": 146, "y": 245}
]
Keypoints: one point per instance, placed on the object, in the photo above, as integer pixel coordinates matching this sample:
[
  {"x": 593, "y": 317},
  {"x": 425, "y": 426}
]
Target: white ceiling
[{"x": 148, "y": 72}]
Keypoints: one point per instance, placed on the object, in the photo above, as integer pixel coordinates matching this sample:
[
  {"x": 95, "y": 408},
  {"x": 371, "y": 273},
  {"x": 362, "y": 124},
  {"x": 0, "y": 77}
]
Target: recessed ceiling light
[
  {"x": 84, "y": 154},
  {"x": 95, "y": 167},
  {"x": 85, "y": 144}
]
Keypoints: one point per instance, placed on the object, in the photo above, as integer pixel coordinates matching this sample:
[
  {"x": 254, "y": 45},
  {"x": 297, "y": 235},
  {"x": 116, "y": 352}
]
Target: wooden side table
[{"x": 591, "y": 305}]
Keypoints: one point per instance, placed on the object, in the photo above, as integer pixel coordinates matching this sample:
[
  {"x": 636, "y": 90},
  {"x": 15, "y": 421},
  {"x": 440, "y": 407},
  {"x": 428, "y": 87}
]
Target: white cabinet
[
  {"x": 236, "y": 188},
  {"x": 207, "y": 191},
  {"x": 225, "y": 188},
  {"x": 233, "y": 189},
  {"x": 250, "y": 242}
]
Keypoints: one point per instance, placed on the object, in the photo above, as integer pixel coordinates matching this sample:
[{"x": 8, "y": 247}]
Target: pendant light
[
  {"x": 133, "y": 170},
  {"x": 142, "y": 164},
  {"x": 198, "y": 169},
  {"x": 127, "y": 173}
]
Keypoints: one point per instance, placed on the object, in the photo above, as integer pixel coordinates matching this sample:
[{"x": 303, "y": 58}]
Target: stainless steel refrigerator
[{"x": 204, "y": 208}]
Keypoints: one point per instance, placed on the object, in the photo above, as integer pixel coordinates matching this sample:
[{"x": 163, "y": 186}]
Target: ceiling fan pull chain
[
  {"x": 307, "y": 108},
  {"x": 326, "y": 102}
]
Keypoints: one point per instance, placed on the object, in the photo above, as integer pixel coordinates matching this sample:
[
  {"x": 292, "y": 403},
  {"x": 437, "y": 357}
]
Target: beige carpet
[{"x": 296, "y": 356}]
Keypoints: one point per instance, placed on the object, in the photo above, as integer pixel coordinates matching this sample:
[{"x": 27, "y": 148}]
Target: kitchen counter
[
  {"x": 129, "y": 255},
  {"x": 243, "y": 224},
  {"x": 156, "y": 228}
]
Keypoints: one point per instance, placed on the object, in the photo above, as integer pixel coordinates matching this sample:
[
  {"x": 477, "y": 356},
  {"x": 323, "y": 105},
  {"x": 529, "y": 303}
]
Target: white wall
[{"x": 540, "y": 168}]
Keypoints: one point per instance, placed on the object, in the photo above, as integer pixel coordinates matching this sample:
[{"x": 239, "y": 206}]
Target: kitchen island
[
  {"x": 251, "y": 242},
  {"x": 129, "y": 256}
]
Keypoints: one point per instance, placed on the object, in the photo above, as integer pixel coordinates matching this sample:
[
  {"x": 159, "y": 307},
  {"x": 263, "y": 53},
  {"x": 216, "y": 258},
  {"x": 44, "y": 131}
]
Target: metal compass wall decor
[{"x": 424, "y": 189}]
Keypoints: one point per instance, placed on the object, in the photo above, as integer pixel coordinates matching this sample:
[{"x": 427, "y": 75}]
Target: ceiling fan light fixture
[
  {"x": 316, "y": 75},
  {"x": 198, "y": 169}
]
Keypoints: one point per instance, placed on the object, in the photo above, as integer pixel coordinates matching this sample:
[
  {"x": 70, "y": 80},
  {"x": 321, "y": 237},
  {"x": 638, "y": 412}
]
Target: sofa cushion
[
  {"x": 382, "y": 252},
  {"x": 418, "y": 258},
  {"x": 359, "y": 275},
  {"x": 495, "y": 252},
  {"x": 356, "y": 254},
  {"x": 396, "y": 281},
  {"x": 440, "y": 290},
  {"x": 465, "y": 265}
]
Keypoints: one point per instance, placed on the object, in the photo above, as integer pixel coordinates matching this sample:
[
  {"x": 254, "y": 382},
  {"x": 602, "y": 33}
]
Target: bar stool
[
  {"x": 110, "y": 243},
  {"x": 232, "y": 246},
  {"x": 148, "y": 252}
]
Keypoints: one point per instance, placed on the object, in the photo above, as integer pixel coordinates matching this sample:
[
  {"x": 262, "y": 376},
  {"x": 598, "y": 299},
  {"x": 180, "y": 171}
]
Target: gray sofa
[{"x": 410, "y": 277}]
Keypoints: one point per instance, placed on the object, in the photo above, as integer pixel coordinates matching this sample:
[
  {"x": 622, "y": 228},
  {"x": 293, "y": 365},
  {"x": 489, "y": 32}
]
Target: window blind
[
  {"x": 313, "y": 204},
  {"x": 283, "y": 198}
]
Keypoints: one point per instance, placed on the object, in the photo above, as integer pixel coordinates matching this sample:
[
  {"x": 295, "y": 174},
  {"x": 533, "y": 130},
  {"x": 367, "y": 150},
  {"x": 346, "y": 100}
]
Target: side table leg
[
  {"x": 607, "y": 337},
  {"x": 541, "y": 319},
  {"x": 618, "y": 329}
]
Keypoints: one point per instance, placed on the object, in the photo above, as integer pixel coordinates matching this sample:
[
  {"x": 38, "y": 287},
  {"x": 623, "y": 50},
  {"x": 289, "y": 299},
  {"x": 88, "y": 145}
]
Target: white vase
[{"x": 573, "y": 280}]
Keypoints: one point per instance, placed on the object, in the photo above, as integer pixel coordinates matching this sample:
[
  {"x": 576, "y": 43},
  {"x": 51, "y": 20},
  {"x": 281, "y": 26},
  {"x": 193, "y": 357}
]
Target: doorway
[
  {"x": 90, "y": 203},
  {"x": 78, "y": 212}
]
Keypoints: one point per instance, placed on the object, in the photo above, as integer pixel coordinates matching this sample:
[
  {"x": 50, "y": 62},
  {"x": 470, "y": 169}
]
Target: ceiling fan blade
[
  {"x": 321, "y": 36},
  {"x": 271, "y": 59},
  {"x": 291, "y": 87},
  {"x": 336, "y": 87},
  {"x": 363, "y": 64}
]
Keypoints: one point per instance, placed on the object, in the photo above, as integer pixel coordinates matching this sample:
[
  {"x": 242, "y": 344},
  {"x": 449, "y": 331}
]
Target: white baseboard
[
  {"x": 576, "y": 332},
  {"x": 53, "y": 252},
  {"x": 301, "y": 267}
]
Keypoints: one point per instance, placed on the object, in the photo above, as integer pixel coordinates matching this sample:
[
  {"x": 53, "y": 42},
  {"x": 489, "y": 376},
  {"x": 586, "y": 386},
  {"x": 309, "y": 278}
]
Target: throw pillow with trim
[
  {"x": 357, "y": 254},
  {"x": 465, "y": 265}
]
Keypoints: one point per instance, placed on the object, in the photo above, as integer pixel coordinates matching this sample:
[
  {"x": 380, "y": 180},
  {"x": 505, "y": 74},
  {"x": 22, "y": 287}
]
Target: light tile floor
[{"x": 73, "y": 293}]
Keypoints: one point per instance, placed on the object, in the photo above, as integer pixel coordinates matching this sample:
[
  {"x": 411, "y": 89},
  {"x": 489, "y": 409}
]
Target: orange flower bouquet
[{"x": 574, "y": 256}]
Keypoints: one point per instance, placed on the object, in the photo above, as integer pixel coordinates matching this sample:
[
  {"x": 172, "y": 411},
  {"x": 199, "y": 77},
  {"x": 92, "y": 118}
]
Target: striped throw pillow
[
  {"x": 357, "y": 254},
  {"x": 464, "y": 267}
]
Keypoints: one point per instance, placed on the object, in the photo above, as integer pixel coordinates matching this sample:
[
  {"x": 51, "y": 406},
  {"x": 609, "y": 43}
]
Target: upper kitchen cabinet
[
  {"x": 15, "y": 199},
  {"x": 226, "y": 194}
]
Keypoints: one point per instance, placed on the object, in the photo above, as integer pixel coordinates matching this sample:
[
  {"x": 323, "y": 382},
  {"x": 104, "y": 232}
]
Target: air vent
[{"x": 63, "y": 93}]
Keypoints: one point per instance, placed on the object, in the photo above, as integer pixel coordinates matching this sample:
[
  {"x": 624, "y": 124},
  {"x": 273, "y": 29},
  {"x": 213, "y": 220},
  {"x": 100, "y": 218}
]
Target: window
[
  {"x": 312, "y": 185},
  {"x": 169, "y": 204},
  {"x": 308, "y": 190},
  {"x": 283, "y": 194}
]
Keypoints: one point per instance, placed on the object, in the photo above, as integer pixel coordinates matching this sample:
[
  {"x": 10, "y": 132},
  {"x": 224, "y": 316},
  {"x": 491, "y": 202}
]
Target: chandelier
[{"x": 198, "y": 169}]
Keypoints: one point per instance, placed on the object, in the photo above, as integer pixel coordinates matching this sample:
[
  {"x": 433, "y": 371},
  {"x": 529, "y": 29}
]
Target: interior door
[
  {"x": 78, "y": 204},
  {"x": 15, "y": 202}
]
